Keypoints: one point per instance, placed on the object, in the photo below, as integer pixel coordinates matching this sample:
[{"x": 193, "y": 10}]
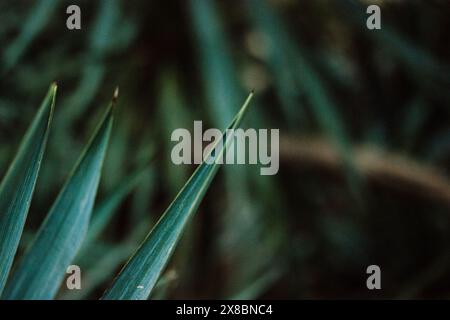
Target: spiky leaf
[
  {"x": 17, "y": 187},
  {"x": 42, "y": 269},
  {"x": 138, "y": 278}
]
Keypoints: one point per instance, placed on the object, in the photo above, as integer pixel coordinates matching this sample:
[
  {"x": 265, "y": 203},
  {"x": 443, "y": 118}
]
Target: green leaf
[
  {"x": 16, "y": 188},
  {"x": 138, "y": 278},
  {"x": 305, "y": 76},
  {"x": 105, "y": 268},
  {"x": 418, "y": 61},
  {"x": 39, "y": 16},
  {"x": 42, "y": 269},
  {"x": 105, "y": 265},
  {"x": 280, "y": 54},
  {"x": 216, "y": 66}
]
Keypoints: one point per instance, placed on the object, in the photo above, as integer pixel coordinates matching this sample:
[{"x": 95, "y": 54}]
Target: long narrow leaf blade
[
  {"x": 16, "y": 189},
  {"x": 42, "y": 269},
  {"x": 138, "y": 278}
]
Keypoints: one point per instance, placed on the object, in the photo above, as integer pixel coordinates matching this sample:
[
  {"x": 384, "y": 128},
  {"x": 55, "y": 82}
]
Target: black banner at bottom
[{"x": 224, "y": 309}]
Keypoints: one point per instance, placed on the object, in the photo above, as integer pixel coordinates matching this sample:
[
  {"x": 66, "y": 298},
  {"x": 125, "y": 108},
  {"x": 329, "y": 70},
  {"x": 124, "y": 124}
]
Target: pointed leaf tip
[
  {"x": 247, "y": 102},
  {"x": 116, "y": 94},
  {"x": 17, "y": 186},
  {"x": 138, "y": 277},
  {"x": 41, "y": 270}
]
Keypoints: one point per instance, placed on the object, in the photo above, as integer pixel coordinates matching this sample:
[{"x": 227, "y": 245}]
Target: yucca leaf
[
  {"x": 42, "y": 268},
  {"x": 139, "y": 276},
  {"x": 16, "y": 188},
  {"x": 104, "y": 212}
]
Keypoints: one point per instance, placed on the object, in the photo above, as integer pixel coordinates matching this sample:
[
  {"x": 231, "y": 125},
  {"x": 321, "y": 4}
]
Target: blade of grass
[
  {"x": 17, "y": 187},
  {"x": 42, "y": 268},
  {"x": 139, "y": 276}
]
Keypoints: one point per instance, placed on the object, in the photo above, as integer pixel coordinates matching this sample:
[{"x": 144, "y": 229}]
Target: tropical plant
[
  {"x": 41, "y": 270},
  {"x": 364, "y": 124}
]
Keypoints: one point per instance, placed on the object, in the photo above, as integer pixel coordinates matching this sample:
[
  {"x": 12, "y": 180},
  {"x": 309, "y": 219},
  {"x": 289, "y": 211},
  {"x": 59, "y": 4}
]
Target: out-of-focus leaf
[
  {"x": 308, "y": 80},
  {"x": 102, "y": 271},
  {"x": 99, "y": 45},
  {"x": 173, "y": 114},
  {"x": 138, "y": 277},
  {"x": 39, "y": 15},
  {"x": 417, "y": 60},
  {"x": 143, "y": 196},
  {"x": 17, "y": 187},
  {"x": 277, "y": 48},
  {"x": 217, "y": 68},
  {"x": 257, "y": 287},
  {"x": 42, "y": 268},
  {"x": 163, "y": 285}
]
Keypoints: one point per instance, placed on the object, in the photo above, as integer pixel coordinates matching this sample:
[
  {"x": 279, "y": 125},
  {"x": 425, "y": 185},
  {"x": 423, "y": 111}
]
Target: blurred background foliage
[{"x": 364, "y": 120}]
